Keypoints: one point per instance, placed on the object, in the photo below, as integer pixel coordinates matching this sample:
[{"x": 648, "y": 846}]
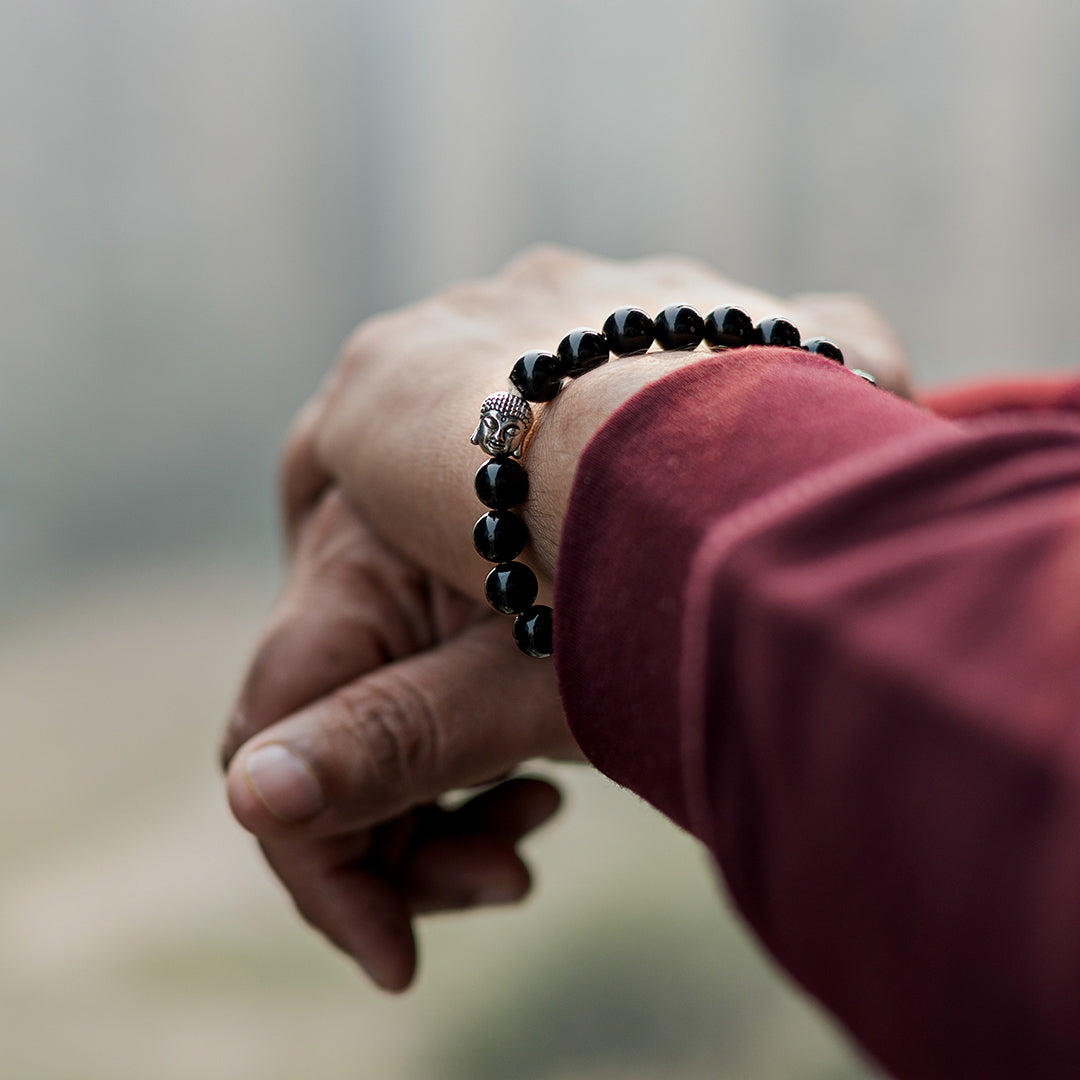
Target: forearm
[
  {"x": 683, "y": 456},
  {"x": 855, "y": 681}
]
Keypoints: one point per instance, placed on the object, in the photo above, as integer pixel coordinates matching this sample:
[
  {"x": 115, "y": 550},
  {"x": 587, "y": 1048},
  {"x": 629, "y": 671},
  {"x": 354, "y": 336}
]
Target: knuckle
[
  {"x": 854, "y": 302},
  {"x": 363, "y": 342},
  {"x": 543, "y": 263},
  {"x": 378, "y": 335},
  {"x": 849, "y": 310},
  {"x": 360, "y": 354},
  {"x": 258, "y": 702},
  {"x": 331, "y": 518},
  {"x": 258, "y": 687},
  {"x": 301, "y": 475},
  {"x": 237, "y": 733},
  {"x": 297, "y": 445},
  {"x": 469, "y": 297},
  {"x": 396, "y": 733},
  {"x": 677, "y": 271}
]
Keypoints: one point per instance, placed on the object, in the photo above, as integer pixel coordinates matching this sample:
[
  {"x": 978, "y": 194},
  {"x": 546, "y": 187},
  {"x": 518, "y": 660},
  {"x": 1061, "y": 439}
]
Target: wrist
[
  {"x": 564, "y": 427},
  {"x": 508, "y": 423}
]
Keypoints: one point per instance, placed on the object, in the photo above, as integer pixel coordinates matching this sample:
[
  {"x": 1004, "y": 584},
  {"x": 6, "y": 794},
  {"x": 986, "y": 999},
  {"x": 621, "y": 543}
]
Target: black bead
[
  {"x": 501, "y": 483},
  {"x": 511, "y": 588},
  {"x": 536, "y": 376},
  {"x": 500, "y": 536},
  {"x": 532, "y": 631},
  {"x": 777, "y": 331},
  {"x": 679, "y": 327},
  {"x": 582, "y": 350},
  {"x": 629, "y": 330},
  {"x": 728, "y": 328},
  {"x": 825, "y": 348}
]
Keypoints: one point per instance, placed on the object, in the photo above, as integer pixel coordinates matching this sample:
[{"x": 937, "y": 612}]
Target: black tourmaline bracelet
[{"x": 500, "y": 535}]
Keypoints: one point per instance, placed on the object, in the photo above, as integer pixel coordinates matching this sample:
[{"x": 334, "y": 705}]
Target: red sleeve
[
  {"x": 837, "y": 637},
  {"x": 988, "y": 396}
]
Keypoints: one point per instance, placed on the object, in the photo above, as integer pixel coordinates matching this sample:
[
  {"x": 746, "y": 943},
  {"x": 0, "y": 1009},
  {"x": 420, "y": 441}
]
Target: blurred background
[{"x": 198, "y": 200}]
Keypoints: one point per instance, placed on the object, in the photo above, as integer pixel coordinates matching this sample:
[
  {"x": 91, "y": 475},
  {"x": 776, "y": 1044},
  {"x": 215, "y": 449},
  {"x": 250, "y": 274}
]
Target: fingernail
[{"x": 283, "y": 782}]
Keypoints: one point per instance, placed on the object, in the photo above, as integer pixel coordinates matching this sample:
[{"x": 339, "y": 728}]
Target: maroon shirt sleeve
[
  {"x": 837, "y": 637},
  {"x": 1004, "y": 395}
]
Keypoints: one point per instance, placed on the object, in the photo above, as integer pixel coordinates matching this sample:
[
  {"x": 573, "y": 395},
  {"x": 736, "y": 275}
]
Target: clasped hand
[{"x": 382, "y": 683}]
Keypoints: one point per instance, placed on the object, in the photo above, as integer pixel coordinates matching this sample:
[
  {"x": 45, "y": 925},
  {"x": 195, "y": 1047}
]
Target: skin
[{"x": 382, "y": 672}]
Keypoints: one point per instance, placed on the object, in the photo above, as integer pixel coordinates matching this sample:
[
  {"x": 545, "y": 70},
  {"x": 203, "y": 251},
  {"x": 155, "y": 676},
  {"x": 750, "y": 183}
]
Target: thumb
[{"x": 454, "y": 716}]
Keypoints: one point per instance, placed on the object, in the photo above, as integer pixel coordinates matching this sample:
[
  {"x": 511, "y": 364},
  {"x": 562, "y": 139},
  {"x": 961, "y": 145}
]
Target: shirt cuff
[{"x": 681, "y": 454}]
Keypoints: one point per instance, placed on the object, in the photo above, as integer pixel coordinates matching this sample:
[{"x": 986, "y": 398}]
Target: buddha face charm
[{"x": 505, "y": 420}]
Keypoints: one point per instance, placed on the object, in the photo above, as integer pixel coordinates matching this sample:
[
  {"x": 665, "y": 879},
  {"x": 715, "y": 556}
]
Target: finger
[
  {"x": 303, "y": 478},
  {"x": 350, "y": 606},
  {"x": 359, "y": 890},
  {"x": 507, "y": 811},
  {"x": 465, "y": 873},
  {"x": 401, "y": 736},
  {"x": 361, "y": 911},
  {"x": 470, "y": 859}
]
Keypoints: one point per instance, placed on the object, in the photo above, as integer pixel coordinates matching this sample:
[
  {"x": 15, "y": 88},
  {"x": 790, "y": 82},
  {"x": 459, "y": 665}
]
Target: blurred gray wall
[{"x": 198, "y": 198}]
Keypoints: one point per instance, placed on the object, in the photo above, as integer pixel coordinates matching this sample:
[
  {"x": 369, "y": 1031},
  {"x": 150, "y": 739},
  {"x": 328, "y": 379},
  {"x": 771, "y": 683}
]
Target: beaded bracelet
[{"x": 501, "y": 483}]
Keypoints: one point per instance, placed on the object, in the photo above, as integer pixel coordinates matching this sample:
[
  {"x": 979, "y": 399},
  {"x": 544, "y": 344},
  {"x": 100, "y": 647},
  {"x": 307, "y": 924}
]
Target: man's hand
[
  {"x": 375, "y": 691},
  {"x": 379, "y": 687}
]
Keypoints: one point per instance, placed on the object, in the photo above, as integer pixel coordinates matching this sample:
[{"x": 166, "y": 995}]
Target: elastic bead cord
[{"x": 502, "y": 483}]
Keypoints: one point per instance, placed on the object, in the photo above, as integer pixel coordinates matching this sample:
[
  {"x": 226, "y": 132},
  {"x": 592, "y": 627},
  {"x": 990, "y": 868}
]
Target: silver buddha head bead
[{"x": 505, "y": 420}]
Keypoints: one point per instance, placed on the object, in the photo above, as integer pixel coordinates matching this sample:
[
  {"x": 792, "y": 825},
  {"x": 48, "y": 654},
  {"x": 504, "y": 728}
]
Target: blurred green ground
[{"x": 142, "y": 939}]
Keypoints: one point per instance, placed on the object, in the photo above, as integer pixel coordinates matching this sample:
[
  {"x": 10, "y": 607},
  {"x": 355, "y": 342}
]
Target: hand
[
  {"x": 391, "y": 426},
  {"x": 360, "y": 709},
  {"x": 387, "y": 687}
]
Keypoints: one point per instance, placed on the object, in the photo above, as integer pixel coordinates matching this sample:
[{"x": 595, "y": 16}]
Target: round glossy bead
[
  {"x": 501, "y": 483},
  {"x": 823, "y": 347},
  {"x": 582, "y": 350},
  {"x": 500, "y": 536},
  {"x": 535, "y": 376},
  {"x": 532, "y": 631},
  {"x": 629, "y": 330},
  {"x": 777, "y": 331},
  {"x": 679, "y": 326},
  {"x": 865, "y": 375},
  {"x": 728, "y": 328},
  {"x": 511, "y": 588}
]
